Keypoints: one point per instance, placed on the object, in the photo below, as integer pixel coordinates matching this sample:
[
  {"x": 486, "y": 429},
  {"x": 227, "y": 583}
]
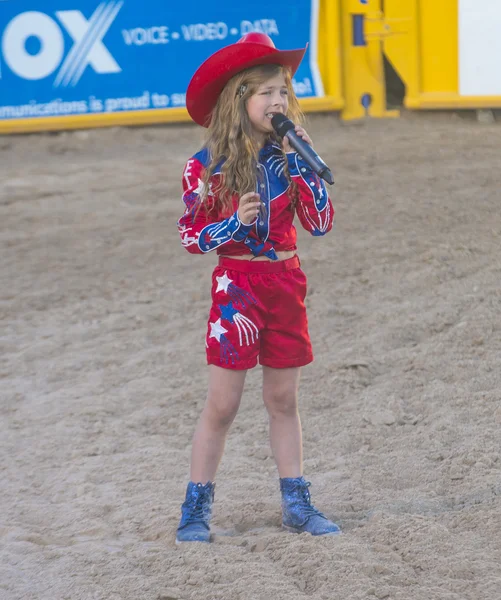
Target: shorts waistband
[{"x": 260, "y": 266}]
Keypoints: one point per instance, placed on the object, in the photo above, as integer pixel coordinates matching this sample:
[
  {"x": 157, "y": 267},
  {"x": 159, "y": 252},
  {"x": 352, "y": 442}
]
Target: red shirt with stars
[{"x": 204, "y": 229}]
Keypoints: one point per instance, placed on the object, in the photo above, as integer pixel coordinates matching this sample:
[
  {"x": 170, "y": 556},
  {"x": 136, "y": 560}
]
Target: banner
[
  {"x": 479, "y": 48},
  {"x": 88, "y": 58}
]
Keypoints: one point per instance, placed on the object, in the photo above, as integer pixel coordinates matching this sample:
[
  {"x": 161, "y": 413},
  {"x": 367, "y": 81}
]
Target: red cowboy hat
[{"x": 213, "y": 74}]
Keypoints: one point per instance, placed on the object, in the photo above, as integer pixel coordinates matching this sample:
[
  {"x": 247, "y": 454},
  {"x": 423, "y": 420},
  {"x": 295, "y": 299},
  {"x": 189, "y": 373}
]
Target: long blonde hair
[{"x": 230, "y": 134}]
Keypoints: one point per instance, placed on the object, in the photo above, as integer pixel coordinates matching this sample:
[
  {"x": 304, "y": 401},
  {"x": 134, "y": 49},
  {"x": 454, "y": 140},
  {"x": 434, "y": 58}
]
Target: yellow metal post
[
  {"x": 328, "y": 58},
  {"x": 363, "y": 68},
  {"x": 427, "y": 56},
  {"x": 403, "y": 50}
]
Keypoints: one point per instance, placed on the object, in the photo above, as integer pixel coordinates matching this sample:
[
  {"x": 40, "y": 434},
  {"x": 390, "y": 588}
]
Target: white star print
[
  {"x": 200, "y": 188},
  {"x": 217, "y": 330},
  {"x": 223, "y": 283}
]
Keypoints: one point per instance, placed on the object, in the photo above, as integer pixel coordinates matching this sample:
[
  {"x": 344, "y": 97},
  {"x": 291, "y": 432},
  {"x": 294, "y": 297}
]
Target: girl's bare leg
[
  {"x": 280, "y": 395},
  {"x": 223, "y": 400}
]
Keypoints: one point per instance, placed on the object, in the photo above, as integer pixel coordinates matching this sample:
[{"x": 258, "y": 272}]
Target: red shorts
[{"x": 258, "y": 312}]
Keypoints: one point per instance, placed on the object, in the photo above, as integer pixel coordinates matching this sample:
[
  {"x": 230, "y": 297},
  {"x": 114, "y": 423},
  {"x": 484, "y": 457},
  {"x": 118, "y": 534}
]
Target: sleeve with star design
[
  {"x": 314, "y": 208},
  {"x": 200, "y": 229}
]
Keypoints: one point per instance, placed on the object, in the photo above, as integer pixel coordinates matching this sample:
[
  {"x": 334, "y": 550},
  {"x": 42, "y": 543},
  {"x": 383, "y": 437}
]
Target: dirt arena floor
[{"x": 102, "y": 374}]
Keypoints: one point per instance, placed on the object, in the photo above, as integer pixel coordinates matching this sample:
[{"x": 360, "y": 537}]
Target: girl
[{"x": 241, "y": 193}]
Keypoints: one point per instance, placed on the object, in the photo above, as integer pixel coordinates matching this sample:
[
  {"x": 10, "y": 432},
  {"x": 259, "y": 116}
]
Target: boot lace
[
  {"x": 197, "y": 508},
  {"x": 307, "y": 509}
]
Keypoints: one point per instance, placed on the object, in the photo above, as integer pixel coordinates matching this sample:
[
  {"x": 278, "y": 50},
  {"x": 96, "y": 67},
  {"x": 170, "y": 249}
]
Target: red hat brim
[{"x": 210, "y": 78}]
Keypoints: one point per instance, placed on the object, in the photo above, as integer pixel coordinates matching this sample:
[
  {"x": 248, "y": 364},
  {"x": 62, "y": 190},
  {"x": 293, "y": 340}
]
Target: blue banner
[{"x": 85, "y": 57}]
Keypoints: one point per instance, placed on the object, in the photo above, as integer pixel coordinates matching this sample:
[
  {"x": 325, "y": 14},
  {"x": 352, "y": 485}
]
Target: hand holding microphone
[{"x": 302, "y": 145}]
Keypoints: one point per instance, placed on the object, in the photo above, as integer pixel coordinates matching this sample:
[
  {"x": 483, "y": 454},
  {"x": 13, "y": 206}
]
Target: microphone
[{"x": 285, "y": 127}]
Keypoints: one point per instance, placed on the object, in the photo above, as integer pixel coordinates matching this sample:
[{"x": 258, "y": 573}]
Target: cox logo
[{"x": 45, "y": 34}]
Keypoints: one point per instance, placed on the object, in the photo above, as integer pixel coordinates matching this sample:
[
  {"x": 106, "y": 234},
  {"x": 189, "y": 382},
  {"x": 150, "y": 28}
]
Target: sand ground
[{"x": 102, "y": 374}]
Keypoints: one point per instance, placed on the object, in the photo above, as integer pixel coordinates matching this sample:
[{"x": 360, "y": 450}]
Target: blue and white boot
[
  {"x": 196, "y": 512},
  {"x": 298, "y": 513}
]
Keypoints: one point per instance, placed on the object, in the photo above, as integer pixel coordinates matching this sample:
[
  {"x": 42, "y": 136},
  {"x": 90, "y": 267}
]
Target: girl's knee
[
  {"x": 221, "y": 414},
  {"x": 223, "y": 397},
  {"x": 281, "y": 401}
]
